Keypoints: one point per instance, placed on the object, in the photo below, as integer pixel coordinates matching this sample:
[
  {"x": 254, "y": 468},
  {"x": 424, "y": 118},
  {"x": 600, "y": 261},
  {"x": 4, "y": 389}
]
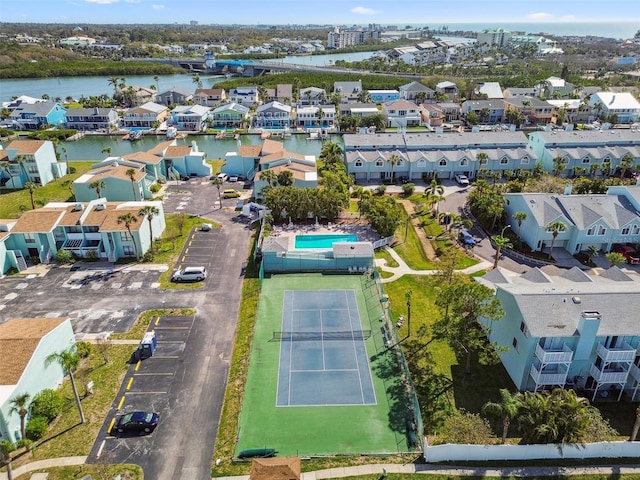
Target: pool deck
[{"x": 364, "y": 232}]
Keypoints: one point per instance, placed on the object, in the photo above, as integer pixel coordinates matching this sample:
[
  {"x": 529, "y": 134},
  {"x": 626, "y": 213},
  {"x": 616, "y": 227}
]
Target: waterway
[
  {"x": 63, "y": 87},
  {"x": 90, "y": 148}
]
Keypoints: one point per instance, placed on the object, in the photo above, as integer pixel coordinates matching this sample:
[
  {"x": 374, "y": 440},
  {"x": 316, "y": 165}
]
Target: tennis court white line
[
  {"x": 355, "y": 350},
  {"x": 327, "y": 370}
]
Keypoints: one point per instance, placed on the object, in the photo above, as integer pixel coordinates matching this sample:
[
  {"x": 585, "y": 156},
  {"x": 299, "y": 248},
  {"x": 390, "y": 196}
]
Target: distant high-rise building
[
  {"x": 498, "y": 37},
  {"x": 193, "y": 23}
]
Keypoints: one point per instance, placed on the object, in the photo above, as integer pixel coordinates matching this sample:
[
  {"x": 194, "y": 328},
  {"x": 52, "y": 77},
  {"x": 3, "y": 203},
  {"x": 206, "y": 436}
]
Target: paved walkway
[{"x": 48, "y": 463}]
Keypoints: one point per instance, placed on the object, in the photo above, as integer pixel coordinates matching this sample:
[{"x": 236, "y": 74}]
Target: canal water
[{"x": 90, "y": 148}]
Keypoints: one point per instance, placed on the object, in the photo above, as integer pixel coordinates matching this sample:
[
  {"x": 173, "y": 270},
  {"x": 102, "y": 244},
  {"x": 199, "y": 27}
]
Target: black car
[{"x": 137, "y": 422}]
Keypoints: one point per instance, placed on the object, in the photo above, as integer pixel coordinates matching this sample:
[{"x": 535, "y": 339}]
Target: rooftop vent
[
  {"x": 577, "y": 300},
  {"x": 78, "y": 207},
  {"x": 100, "y": 206}
]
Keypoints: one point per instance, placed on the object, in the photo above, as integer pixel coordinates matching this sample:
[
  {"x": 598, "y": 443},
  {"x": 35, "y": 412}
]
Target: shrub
[
  {"x": 408, "y": 189},
  {"x": 148, "y": 256},
  {"x": 36, "y": 428},
  {"x": 155, "y": 188},
  {"x": 47, "y": 403},
  {"x": 381, "y": 189},
  {"x": 92, "y": 256},
  {"x": 72, "y": 170},
  {"x": 84, "y": 349}
]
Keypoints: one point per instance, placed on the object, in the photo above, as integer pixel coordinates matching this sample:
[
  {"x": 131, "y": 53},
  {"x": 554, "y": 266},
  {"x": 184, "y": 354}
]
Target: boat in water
[
  {"x": 132, "y": 135},
  {"x": 172, "y": 132}
]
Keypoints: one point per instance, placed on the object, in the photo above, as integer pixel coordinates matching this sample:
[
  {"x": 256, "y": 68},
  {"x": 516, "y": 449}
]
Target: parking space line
[
  {"x": 146, "y": 392},
  {"x": 150, "y": 374},
  {"x": 129, "y": 384},
  {"x": 173, "y": 328},
  {"x": 166, "y": 356},
  {"x": 121, "y": 402},
  {"x": 101, "y": 447},
  {"x": 113, "y": 422},
  {"x": 137, "y": 366},
  {"x": 157, "y": 320}
]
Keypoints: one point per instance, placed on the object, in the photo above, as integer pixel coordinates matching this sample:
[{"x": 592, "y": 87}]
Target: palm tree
[
  {"x": 434, "y": 192},
  {"x": 131, "y": 173},
  {"x": 20, "y": 405},
  {"x": 149, "y": 211},
  {"x": 319, "y": 115},
  {"x": 506, "y": 409},
  {"x": 6, "y": 447},
  {"x": 129, "y": 219},
  {"x": 625, "y": 164},
  {"x": 615, "y": 258},
  {"x": 32, "y": 188},
  {"x": 559, "y": 164},
  {"x": 68, "y": 359},
  {"x": 592, "y": 251},
  {"x": 393, "y": 160},
  {"x": 98, "y": 185},
  {"x": 482, "y": 158},
  {"x": 555, "y": 228},
  {"x": 156, "y": 79},
  {"x": 218, "y": 183},
  {"x": 500, "y": 242},
  {"x": 519, "y": 217},
  {"x": 114, "y": 81}
]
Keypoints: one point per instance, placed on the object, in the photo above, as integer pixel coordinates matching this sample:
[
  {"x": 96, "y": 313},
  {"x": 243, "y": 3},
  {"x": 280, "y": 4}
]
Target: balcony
[
  {"x": 624, "y": 354},
  {"x": 635, "y": 372},
  {"x": 554, "y": 356},
  {"x": 548, "y": 377},
  {"x": 618, "y": 375}
]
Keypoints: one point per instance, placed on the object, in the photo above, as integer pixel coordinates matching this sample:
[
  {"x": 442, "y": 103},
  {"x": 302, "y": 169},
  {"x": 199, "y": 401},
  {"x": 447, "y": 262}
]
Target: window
[
  {"x": 125, "y": 237},
  {"x": 625, "y": 231},
  {"x": 33, "y": 169},
  {"x": 606, "y": 160},
  {"x": 590, "y": 231},
  {"x": 443, "y": 163},
  {"x": 358, "y": 163},
  {"x": 483, "y": 161},
  {"x": 422, "y": 163},
  {"x": 602, "y": 230},
  {"x": 92, "y": 229},
  {"x": 379, "y": 163},
  {"x": 515, "y": 343},
  {"x": 523, "y": 328},
  {"x": 127, "y": 250},
  {"x": 29, "y": 238},
  {"x": 504, "y": 161},
  {"x": 585, "y": 160},
  {"x": 464, "y": 162},
  {"x": 525, "y": 160},
  {"x": 635, "y": 230}
]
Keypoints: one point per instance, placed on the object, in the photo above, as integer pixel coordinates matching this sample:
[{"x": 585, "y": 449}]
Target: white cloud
[
  {"x": 364, "y": 11},
  {"x": 102, "y": 2},
  {"x": 540, "y": 17},
  {"x": 157, "y": 7}
]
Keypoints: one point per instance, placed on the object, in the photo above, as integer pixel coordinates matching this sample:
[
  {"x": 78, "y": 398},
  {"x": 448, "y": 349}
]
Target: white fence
[{"x": 485, "y": 453}]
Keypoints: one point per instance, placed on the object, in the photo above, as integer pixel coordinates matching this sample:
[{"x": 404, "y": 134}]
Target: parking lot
[{"x": 199, "y": 251}]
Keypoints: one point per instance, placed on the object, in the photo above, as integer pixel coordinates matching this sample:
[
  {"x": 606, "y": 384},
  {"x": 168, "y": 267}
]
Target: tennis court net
[{"x": 330, "y": 335}]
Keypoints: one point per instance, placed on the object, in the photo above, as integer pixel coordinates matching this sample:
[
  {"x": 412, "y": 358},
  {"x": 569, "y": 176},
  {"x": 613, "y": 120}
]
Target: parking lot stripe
[
  {"x": 137, "y": 366},
  {"x": 146, "y": 392},
  {"x": 121, "y": 402},
  {"x": 174, "y": 328},
  {"x": 149, "y": 374},
  {"x": 157, "y": 321},
  {"x": 100, "y": 449},
  {"x": 113, "y": 421},
  {"x": 129, "y": 384}
]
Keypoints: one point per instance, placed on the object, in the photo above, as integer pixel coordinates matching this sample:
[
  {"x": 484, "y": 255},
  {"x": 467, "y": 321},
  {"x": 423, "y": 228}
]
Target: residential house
[
  {"x": 312, "y": 96},
  {"x": 360, "y": 110},
  {"x": 555, "y": 87},
  {"x": 174, "y": 96},
  {"x": 571, "y": 110},
  {"x": 230, "y": 115},
  {"x": 451, "y": 110},
  {"x": 145, "y": 117},
  {"x": 383, "y": 96},
  {"x": 36, "y": 116},
  {"x": 92, "y": 119},
  {"x": 572, "y": 330},
  {"x": 622, "y": 105},
  {"x": 142, "y": 95},
  {"x": 302, "y": 167},
  {"x": 416, "y": 92},
  {"x": 489, "y": 112},
  {"x": 542, "y": 45},
  {"x": 534, "y": 110},
  {"x": 88, "y": 230},
  {"x": 185, "y": 160},
  {"x": 273, "y": 115},
  {"x": 318, "y": 116},
  {"x": 16, "y": 102},
  {"x": 435, "y": 155},
  {"x": 519, "y": 92},
  {"x": 210, "y": 97},
  {"x": 29, "y": 161},
  {"x": 431, "y": 115},
  {"x": 192, "y": 118},
  {"x": 600, "y": 150},
  {"x": 121, "y": 183},
  {"x": 450, "y": 89},
  {"x": 348, "y": 91},
  {"x": 26, "y": 343},
  {"x": 490, "y": 90},
  {"x": 283, "y": 93},
  {"x": 401, "y": 113},
  {"x": 246, "y": 96},
  {"x": 243, "y": 162}
]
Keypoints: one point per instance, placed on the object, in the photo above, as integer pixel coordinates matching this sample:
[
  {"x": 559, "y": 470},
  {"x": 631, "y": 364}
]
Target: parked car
[
  {"x": 223, "y": 176},
  {"x": 230, "y": 193},
  {"x": 233, "y": 178},
  {"x": 137, "y": 422},
  {"x": 206, "y": 227},
  {"x": 462, "y": 180},
  {"x": 189, "y": 274},
  {"x": 466, "y": 238},
  {"x": 628, "y": 252}
]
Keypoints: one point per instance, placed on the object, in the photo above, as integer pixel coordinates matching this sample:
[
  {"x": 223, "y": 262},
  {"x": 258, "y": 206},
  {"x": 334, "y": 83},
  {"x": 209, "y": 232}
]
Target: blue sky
[{"x": 339, "y": 12}]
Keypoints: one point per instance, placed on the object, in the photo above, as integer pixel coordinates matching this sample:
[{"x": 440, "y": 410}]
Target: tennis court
[
  {"x": 321, "y": 380},
  {"x": 323, "y": 357}
]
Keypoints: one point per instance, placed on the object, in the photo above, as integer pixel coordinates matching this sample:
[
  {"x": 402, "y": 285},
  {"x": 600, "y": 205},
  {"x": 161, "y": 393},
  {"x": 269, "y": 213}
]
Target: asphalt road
[{"x": 101, "y": 297}]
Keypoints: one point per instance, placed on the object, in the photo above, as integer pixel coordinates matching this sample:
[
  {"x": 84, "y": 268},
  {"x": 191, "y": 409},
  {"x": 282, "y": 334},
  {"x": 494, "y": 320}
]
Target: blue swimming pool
[{"x": 323, "y": 241}]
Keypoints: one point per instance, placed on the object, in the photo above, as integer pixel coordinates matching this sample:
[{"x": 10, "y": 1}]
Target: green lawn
[{"x": 12, "y": 203}]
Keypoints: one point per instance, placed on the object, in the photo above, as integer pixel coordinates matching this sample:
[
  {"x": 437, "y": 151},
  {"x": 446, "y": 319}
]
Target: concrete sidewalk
[{"x": 41, "y": 464}]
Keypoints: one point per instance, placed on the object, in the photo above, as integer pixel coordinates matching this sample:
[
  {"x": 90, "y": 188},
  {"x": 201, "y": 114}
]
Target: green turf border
[{"x": 324, "y": 430}]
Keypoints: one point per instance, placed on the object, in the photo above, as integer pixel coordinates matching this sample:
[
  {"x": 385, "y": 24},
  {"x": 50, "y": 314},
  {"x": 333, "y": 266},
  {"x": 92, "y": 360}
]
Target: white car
[
  {"x": 189, "y": 274},
  {"x": 223, "y": 176},
  {"x": 233, "y": 178},
  {"x": 462, "y": 180}
]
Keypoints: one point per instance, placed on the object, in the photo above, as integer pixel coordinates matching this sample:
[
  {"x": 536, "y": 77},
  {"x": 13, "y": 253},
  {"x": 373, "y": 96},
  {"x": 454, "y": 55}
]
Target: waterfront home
[
  {"x": 621, "y": 104},
  {"x": 120, "y": 183},
  {"x": 303, "y": 168},
  {"x": 312, "y": 96},
  {"x": 534, "y": 110},
  {"x": 143, "y": 95},
  {"x": 283, "y": 93},
  {"x": 489, "y": 90},
  {"x": 416, "y": 92},
  {"x": 569, "y": 331},
  {"x": 190, "y": 118},
  {"x": 597, "y": 221},
  {"x": 243, "y": 162},
  {"x": 587, "y": 149},
  {"x": 174, "y": 96},
  {"x": 488, "y": 111},
  {"x": 84, "y": 229},
  {"x": 246, "y": 96},
  {"x": 319, "y": 116},
  {"x": 451, "y": 110},
  {"x": 145, "y": 117},
  {"x": 273, "y": 115},
  {"x": 25, "y": 344},
  {"x": 210, "y": 97},
  {"x": 35, "y": 116},
  {"x": 428, "y": 155},
  {"x": 185, "y": 160},
  {"x": 29, "y": 161},
  {"x": 360, "y": 110},
  {"x": 431, "y": 115},
  {"x": 92, "y": 119},
  {"x": 16, "y": 102},
  {"x": 450, "y": 89},
  {"x": 348, "y": 91},
  {"x": 571, "y": 110},
  {"x": 230, "y": 115},
  {"x": 401, "y": 113}
]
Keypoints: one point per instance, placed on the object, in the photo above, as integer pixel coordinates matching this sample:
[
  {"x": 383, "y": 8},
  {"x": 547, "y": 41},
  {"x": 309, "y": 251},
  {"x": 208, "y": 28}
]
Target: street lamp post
[
  {"x": 505, "y": 227},
  {"x": 408, "y": 296}
]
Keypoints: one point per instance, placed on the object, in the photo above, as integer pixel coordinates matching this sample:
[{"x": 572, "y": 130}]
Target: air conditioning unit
[
  {"x": 78, "y": 207},
  {"x": 100, "y": 206}
]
